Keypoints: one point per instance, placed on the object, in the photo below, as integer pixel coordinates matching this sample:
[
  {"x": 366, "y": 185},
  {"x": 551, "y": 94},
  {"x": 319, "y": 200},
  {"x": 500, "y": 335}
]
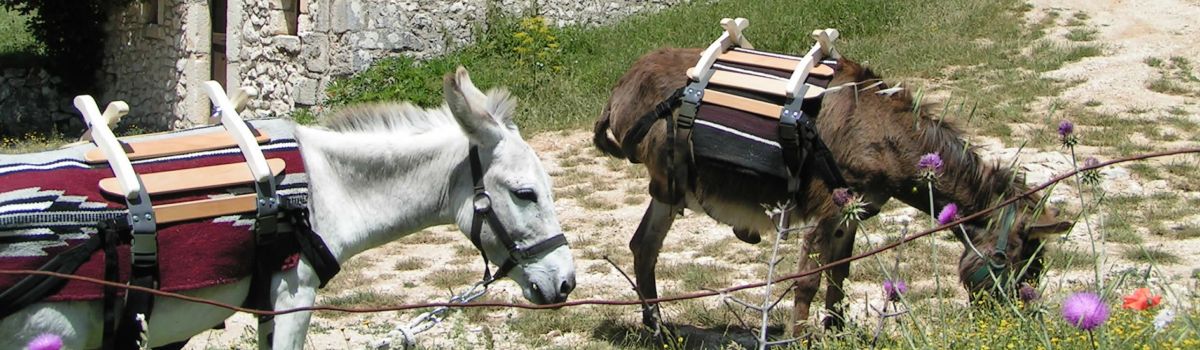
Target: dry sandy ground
[{"x": 600, "y": 201}]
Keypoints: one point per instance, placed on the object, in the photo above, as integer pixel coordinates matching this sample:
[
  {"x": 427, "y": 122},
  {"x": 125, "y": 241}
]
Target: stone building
[{"x": 159, "y": 51}]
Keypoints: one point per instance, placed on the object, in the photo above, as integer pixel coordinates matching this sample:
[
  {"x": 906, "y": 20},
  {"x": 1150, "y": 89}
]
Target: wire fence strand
[{"x": 668, "y": 299}]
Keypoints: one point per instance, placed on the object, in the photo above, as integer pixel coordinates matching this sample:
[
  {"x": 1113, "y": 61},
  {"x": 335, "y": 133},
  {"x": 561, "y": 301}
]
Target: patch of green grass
[
  {"x": 304, "y": 116},
  {"x": 410, "y": 264},
  {"x": 915, "y": 40},
  {"x": 1154, "y": 62},
  {"x": 1122, "y": 214},
  {"x": 1150, "y": 255},
  {"x": 452, "y": 278},
  {"x": 1169, "y": 86},
  {"x": 1069, "y": 258},
  {"x": 536, "y": 325},
  {"x": 597, "y": 203},
  {"x": 1081, "y": 34},
  {"x": 1144, "y": 171},
  {"x": 693, "y": 276},
  {"x": 32, "y": 142},
  {"x": 1183, "y": 64}
]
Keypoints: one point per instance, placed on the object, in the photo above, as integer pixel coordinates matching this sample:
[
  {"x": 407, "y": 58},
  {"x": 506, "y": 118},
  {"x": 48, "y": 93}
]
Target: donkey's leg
[
  {"x": 646, "y": 243},
  {"x": 815, "y": 243},
  {"x": 290, "y": 289},
  {"x": 841, "y": 246}
]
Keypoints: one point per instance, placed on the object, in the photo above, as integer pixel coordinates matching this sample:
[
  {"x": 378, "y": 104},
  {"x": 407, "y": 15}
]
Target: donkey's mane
[
  {"x": 388, "y": 117},
  {"x": 962, "y": 162},
  {"x": 404, "y": 117}
]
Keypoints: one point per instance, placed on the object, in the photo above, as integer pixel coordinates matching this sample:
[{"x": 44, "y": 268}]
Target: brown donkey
[{"x": 876, "y": 140}]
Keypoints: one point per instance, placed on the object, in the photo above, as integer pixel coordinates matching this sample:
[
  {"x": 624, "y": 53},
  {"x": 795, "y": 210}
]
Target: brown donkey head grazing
[{"x": 876, "y": 139}]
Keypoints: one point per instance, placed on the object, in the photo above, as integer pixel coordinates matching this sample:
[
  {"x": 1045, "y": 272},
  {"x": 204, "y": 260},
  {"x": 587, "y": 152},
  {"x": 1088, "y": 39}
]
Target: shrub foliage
[{"x": 72, "y": 33}]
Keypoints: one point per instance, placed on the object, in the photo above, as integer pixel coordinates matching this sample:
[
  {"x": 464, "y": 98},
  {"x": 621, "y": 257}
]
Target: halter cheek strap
[
  {"x": 997, "y": 262},
  {"x": 483, "y": 211}
]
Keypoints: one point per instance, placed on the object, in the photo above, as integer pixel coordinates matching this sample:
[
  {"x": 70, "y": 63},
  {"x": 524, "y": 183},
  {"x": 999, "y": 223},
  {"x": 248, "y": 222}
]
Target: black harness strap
[
  {"x": 680, "y": 159},
  {"x": 111, "y": 237},
  {"x": 634, "y": 136},
  {"x": 273, "y": 248},
  {"x": 483, "y": 211},
  {"x": 795, "y": 148},
  {"x": 34, "y": 288},
  {"x": 312, "y": 247}
]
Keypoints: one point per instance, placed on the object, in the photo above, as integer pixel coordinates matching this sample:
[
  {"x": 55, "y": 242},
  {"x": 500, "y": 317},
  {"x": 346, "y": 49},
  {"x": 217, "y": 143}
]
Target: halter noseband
[{"x": 483, "y": 210}]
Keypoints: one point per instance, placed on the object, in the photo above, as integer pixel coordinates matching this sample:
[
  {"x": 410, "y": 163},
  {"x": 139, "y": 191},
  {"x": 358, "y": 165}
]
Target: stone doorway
[{"x": 218, "y": 12}]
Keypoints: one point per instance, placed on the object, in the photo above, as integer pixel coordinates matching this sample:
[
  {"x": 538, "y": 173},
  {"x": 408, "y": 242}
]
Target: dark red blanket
[{"x": 49, "y": 206}]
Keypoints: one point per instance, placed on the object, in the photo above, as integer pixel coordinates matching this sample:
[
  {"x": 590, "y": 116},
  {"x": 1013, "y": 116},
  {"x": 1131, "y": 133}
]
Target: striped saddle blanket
[
  {"x": 51, "y": 201},
  {"x": 743, "y": 140}
]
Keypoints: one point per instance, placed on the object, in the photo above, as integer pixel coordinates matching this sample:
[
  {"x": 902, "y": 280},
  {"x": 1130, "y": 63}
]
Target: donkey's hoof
[
  {"x": 747, "y": 236},
  {"x": 650, "y": 319}
]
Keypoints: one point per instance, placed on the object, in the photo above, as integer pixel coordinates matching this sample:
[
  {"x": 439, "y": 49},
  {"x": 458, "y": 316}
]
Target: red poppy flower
[{"x": 1141, "y": 299}]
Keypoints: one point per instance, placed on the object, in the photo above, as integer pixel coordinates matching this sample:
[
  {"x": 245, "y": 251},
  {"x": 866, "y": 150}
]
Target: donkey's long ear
[
  {"x": 1048, "y": 225},
  {"x": 470, "y": 109}
]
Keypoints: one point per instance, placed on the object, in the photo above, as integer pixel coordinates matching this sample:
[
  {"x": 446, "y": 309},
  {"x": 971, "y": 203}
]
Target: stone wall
[
  {"x": 30, "y": 102},
  {"x": 157, "y": 67}
]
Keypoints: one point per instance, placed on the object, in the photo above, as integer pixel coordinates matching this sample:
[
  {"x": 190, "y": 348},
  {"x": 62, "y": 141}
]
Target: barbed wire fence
[{"x": 431, "y": 318}]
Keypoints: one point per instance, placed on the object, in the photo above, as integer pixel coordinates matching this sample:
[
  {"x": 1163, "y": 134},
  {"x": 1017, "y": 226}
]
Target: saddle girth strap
[
  {"x": 276, "y": 247},
  {"x": 682, "y": 163},
  {"x": 110, "y": 237}
]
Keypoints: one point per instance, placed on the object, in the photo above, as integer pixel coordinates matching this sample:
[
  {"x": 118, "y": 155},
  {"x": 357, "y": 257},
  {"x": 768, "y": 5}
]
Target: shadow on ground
[{"x": 624, "y": 334}]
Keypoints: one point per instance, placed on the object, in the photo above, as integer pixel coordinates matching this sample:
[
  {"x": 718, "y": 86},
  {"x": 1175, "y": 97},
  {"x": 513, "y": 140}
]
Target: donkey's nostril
[{"x": 567, "y": 287}]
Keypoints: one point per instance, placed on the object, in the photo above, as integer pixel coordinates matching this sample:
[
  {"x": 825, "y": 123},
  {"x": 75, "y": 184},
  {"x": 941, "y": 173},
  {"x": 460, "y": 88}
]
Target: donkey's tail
[{"x": 601, "y": 139}]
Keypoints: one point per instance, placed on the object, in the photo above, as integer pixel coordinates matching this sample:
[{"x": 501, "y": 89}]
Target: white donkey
[{"x": 376, "y": 174}]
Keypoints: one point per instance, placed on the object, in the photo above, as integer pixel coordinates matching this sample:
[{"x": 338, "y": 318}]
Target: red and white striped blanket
[{"x": 51, "y": 201}]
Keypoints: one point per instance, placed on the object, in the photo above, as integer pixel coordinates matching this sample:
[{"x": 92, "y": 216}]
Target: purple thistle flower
[
  {"x": 1065, "y": 128},
  {"x": 1090, "y": 162},
  {"x": 1028, "y": 294},
  {"x": 930, "y": 163},
  {"x": 1085, "y": 310},
  {"x": 949, "y": 213},
  {"x": 841, "y": 196},
  {"x": 894, "y": 289},
  {"x": 46, "y": 342}
]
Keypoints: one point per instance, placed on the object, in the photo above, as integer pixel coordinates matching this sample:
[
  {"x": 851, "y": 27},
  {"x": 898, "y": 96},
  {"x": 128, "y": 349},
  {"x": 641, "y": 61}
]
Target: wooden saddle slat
[
  {"x": 758, "y": 84},
  {"x": 175, "y": 146},
  {"x": 778, "y": 63},
  {"x": 765, "y": 109},
  {"x": 206, "y": 208},
  {"x": 202, "y": 178}
]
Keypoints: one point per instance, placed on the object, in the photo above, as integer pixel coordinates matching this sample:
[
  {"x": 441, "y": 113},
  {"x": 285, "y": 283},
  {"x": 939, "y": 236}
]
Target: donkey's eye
[{"x": 526, "y": 194}]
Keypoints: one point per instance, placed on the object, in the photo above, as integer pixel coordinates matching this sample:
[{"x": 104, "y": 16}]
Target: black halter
[
  {"x": 483, "y": 210},
  {"x": 997, "y": 262}
]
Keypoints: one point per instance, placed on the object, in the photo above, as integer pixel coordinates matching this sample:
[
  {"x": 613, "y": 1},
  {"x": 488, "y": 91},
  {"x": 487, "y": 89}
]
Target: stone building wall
[
  {"x": 30, "y": 102},
  {"x": 333, "y": 38},
  {"x": 157, "y": 67}
]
